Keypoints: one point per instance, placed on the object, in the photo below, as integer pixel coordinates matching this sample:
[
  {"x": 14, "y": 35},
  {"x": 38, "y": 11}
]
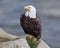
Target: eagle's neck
[{"x": 31, "y": 14}]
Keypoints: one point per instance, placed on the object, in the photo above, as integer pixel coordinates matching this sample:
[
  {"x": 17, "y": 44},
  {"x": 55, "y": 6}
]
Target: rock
[
  {"x": 20, "y": 43},
  {"x": 6, "y": 35},
  {"x": 42, "y": 44},
  {"x": 11, "y": 41}
]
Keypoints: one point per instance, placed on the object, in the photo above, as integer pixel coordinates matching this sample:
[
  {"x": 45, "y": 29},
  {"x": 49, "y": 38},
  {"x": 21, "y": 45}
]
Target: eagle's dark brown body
[{"x": 31, "y": 26}]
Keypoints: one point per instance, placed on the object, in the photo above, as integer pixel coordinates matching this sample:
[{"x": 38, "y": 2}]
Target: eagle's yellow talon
[
  {"x": 30, "y": 36},
  {"x": 35, "y": 39}
]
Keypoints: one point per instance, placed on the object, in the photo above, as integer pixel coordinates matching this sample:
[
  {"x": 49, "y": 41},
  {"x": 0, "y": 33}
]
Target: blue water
[{"x": 10, "y": 11}]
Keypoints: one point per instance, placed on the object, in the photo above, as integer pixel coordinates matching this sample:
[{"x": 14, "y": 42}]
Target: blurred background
[{"x": 48, "y": 10}]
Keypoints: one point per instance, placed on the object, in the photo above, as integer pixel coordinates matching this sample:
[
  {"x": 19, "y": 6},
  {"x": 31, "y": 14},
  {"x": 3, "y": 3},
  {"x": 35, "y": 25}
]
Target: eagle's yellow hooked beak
[{"x": 26, "y": 7}]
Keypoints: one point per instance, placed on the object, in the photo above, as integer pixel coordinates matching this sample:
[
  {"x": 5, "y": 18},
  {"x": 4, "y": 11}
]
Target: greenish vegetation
[{"x": 33, "y": 42}]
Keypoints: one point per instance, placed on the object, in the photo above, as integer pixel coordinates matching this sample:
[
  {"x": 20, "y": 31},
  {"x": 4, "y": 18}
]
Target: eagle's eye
[{"x": 29, "y": 7}]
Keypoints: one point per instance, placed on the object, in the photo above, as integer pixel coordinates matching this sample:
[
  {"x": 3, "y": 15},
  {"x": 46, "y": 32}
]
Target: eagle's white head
[{"x": 31, "y": 11}]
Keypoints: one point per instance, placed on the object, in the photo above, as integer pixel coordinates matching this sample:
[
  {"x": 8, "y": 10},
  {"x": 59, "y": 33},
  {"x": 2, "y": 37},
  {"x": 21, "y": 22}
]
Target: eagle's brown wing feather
[{"x": 31, "y": 26}]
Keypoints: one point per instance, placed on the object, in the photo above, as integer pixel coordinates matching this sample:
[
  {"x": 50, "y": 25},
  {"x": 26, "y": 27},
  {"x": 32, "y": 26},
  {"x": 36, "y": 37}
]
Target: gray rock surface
[
  {"x": 20, "y": 43},
  {"x": 12, "y": 42}
]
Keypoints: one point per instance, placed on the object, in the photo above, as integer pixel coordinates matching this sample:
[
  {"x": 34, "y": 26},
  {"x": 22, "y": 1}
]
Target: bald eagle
[{"x": 30, "y": 22}]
